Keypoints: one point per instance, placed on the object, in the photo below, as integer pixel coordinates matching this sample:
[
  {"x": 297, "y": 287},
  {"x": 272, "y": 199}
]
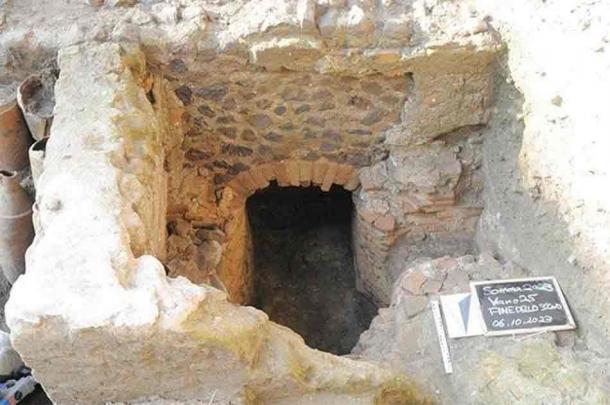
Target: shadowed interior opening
[{"x": 304, "y": 269}]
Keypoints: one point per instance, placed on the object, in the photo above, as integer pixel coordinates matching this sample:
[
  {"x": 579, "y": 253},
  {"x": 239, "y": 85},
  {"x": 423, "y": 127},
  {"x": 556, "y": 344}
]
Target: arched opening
[{"x": 304, "y": 276}]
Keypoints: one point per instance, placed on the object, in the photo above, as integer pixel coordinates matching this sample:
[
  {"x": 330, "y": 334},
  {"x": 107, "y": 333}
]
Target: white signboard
[{"x": 462, "y": 316}]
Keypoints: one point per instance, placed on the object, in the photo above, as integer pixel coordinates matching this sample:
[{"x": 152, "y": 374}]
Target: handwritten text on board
[{"x": 518, "y": 306}]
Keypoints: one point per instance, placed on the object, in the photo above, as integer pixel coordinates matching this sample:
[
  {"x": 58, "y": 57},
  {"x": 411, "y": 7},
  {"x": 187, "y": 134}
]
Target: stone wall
[
  {"x": 423, "y": 201},
  {"x": 255, "y": 83},
  {"x": 104, "y": 311},
  {"x": 200, "y": 105},
  {"x": 300, "y": 102},
  {"x": 241, "y": 116}
]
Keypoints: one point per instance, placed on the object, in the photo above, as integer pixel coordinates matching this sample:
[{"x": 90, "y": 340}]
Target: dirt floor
[{"x": 304, "y": 269}]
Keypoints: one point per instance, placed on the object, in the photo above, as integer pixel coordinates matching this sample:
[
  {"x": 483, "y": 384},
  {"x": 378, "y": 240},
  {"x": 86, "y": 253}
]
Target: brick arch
[
  {"x": 235, "y": 269},
  {"x": 303, "y": 173}
]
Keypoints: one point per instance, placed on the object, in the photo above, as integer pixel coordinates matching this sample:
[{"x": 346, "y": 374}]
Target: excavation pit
[
  {"x": 304, "y": 276},
  {"x": 160, "y": 190}
]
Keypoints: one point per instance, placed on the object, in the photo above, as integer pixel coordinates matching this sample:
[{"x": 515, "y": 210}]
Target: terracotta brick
[
  {"x": 459, "y": 212},
  {"x": 385, "y": 223},
  {"x": 259, "y": 178},
  {"x": 247, "y": 182},
  {"x": 319, "y": 170},
  {"x": 238, "y": 188},
  {"x": 329, "y": 176},
  {"x": 293, "y": 172},
  {"x": 442, "y": 199},
  {"x": 432, "y": 286},
  {"x": 353, "y": 181},
  {"x": 414, "y": 282},
  {"x": 305, "y": 173},
  {"x": 344, "y": 172},
  {"x": 430, "y": 209},
  {"x": 368, "y": 216},
  {"x": 281, "y": 174},
  {"x": 409, "y": 204},
  {"x": 267, "y": 171}
]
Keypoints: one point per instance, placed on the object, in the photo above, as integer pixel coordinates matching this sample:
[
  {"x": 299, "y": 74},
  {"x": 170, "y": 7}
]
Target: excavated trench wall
[
  {"x": 204, "y": 102},
  {"x": 247, "y": 127},
  {"x": 167, "y": 123},
  {"x": 251, "y": 125}
]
